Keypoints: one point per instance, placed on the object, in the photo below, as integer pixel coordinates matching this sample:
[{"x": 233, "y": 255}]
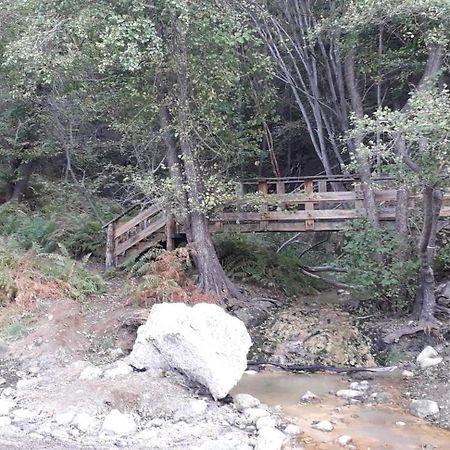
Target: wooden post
[
  {"x": 309, "y": 206},
  {"x": 281, "y": 190},
  {"x": 110, "y": 247},
  {"x": 263, "y": 187},
  {"x": 170, "y": 232},
  {"x": 322, "y": 189}
]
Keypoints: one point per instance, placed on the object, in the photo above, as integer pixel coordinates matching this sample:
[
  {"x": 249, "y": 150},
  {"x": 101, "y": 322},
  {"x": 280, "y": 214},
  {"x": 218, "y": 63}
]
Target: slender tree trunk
[
  {"x": 21, "y": 184},
  {"x": 425, "y": 297},
  {"x": 212, "y": 277},
  {"x": 362, "y": 161}
]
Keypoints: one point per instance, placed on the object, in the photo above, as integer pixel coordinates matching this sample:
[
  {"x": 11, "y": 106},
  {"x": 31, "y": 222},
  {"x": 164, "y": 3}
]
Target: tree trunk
[
  {"x": 25, "y": 171},
  {"x": 425, "y": 297},
  {"x": 362, "y": 161},
  {"x": 212, "y": 277}
]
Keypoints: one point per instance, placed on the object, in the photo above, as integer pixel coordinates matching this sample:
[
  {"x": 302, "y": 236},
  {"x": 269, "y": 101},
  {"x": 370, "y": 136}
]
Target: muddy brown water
[{"x": 372, "y": 427}]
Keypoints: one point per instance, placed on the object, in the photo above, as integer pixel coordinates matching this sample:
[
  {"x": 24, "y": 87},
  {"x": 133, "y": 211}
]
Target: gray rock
[
  {"x": 360, "y": 385},
  {"x": 204, "y": 342},
  {"x": 292, "y": 430},
  {"x": 120, "y": 424},
  {"x": 84, "y": 422},
  {"x": 245, "y": 401},
  {"x": 428, "y": 357},
  {"x": 253, "y": 414},
  {"x": 424, "y": 408},
  {"x": 8, "y": 392},
  {"x": 348, "y": 393},
  {"x": 344, "y": 440},
  {"x": 64, "y": 418},
  {"x": 407, "y": 374},
  {"x": 270, "y": 439},
  {"x": 308, "y": 396},
  {"x": 251, "y": 316},
  {"x": 266, "y": 421}
]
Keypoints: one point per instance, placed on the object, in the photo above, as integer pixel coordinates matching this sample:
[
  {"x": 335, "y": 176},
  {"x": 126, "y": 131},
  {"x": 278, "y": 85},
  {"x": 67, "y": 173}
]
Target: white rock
[
  {"x": 360, "y": 386},
  {"x": 400, "y": 423},
  {"x": 5, "y": 421},
  {"x": 84, "y": 422},
  {"x": 64, "y": 418},
  {"x": 270, "y": 439},
  {"x": 407, "y": 374},
  {"x": 148, "y": 435},
  {"x": 198, "y": 407},
  {"x": 91, "y": 373},
  {"x": 428, "y": 357},
  {"x": 253, "y": 414},
  {"x": 323, "y": 425},
  {"x": 117, "y": 423},
  {"x": 424, "y": 408},
  {"x": 156, "y": 422},
  {"x": 348, "y": 393},
  {"x": 25, "y": 383},
  {"x": 292, "y": 429},
  {"x": 61, "y": 434},
  {"x": 24, "y": 414},
  {"x": 120, "y": 369},
  {"x": 8, "y": 392},
  {"x": 344, "y": 440},
  {"x": 245, "y": 401},
  {"x": 308, "y": 396},
  {"x": 266, "y": 421},
  {"x": 204, "y": 342},
  {"x": 6, "y": 405},
  {"x": 251, "y": 372},
  {"x": 2, "y": 381}
]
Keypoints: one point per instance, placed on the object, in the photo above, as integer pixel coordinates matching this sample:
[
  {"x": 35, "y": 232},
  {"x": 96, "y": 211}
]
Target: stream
[{"x": 372, "y": 426}]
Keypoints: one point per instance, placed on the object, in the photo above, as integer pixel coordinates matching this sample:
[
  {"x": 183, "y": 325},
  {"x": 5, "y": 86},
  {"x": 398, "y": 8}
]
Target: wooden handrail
[{"x": 144, "y": 215}]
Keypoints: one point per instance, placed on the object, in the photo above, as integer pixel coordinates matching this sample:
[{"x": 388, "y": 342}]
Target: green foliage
[
  {"x": 371, "y": 257},
  {"x": 251, "y": 260},
  {"x": 15, "y": 329}
]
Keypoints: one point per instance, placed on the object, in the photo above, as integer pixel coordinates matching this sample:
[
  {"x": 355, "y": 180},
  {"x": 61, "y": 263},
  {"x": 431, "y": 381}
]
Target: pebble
[
  {"x": 424, "y": 408},
  {"x": 245, "y": 401},
  {"x": 270, "y": 439},
  {"x": 344, "y": 440},
  {"x": 407, "y": 374},
  {"x": 84, "y": 422},
  {"x": 348, "y": 393},
  {"x": 91, "y": 373},
  {"x": 360, "y": 386},
  {"x": 266, "y": 421},
  {"x": 8, "y": 392},
  {"x": 253, "y": 414},
  {"x": 400, "y": 423},
  {"x": 121, "y": 369},
  {"x": 117, "y": 423},
  {"x": 308, "y": 396},
  {"x": 292, "y": 429},
  {"x": 323, "y": 425}
]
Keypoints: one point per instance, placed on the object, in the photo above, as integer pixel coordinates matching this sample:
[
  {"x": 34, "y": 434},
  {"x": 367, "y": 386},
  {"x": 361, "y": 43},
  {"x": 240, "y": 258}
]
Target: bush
[
  {"x": 250, "y": 259},
  {"x": 26, "y": 276},
  {"x": 371, "y": 258}
]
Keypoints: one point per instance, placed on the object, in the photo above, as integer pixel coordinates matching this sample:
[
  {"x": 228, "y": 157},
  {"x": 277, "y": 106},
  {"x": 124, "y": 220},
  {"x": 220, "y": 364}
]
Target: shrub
[
  {"x": 371, "y": 257},
  {"x": 249, "y": 259}
]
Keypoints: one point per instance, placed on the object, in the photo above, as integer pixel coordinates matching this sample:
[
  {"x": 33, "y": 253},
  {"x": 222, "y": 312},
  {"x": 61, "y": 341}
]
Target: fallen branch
[
  {"x": 320, "y": 368},
  {"x": 408, "y": 331},
  {"x": 324, "y": 269},
  {"x": 327, "y": 280}
]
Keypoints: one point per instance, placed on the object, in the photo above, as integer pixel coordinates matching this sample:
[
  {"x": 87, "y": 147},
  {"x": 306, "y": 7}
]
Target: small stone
[
  {"x": 292, "y": 430},
  {"x": 360, "y": 386},
  {"x": 8, "y": 392},
  {"x": 84, "y": 422},
  {"x": 400, "y": 423},
  {"x": 198, "y": 407},
  {"x": 407, "y": 374},
  {"x": 6, "y": 405},
  {"x": 120, "y": 369},
  {"x": 64, "y": 418},
  {"x": 5, "y": 421},
  {"x": 91, "y": 373},
  {"x": 308, "y": 396},
  {"x": 253, "y": 414},
  {"x": 428, "y": 357},
  {"x": 2, "y": 381},
  {"x": 424, "y": 408},
  {"x": 348, "y": 393},
  {"x": 245, "y": 401},
  {"x": 34, "y": 370},
  {"x": 251, "y": 372},
  {"x": 266, "y": 421},
  {"x": 270, "y": 439},
  {"x": 117, "y": 423},
  {"x": 156, "y": 422},
  {"x": 323, "y": 425},
  {"x": 148, "y": 434},
  {"x": 344, "y": 440}
]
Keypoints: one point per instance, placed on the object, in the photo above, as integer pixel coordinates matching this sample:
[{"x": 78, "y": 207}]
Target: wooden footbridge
[{"x": 263, "y": 205}]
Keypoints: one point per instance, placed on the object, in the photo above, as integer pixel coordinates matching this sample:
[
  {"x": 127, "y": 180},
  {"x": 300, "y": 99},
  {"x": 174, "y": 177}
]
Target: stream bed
[{"x": 372, "y": 426}]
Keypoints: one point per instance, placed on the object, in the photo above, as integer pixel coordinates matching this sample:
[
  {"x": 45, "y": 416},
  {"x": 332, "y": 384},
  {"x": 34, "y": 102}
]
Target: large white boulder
[
  {"x": 428, "y": 357},
  {"x": 204, "y": 342}
]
